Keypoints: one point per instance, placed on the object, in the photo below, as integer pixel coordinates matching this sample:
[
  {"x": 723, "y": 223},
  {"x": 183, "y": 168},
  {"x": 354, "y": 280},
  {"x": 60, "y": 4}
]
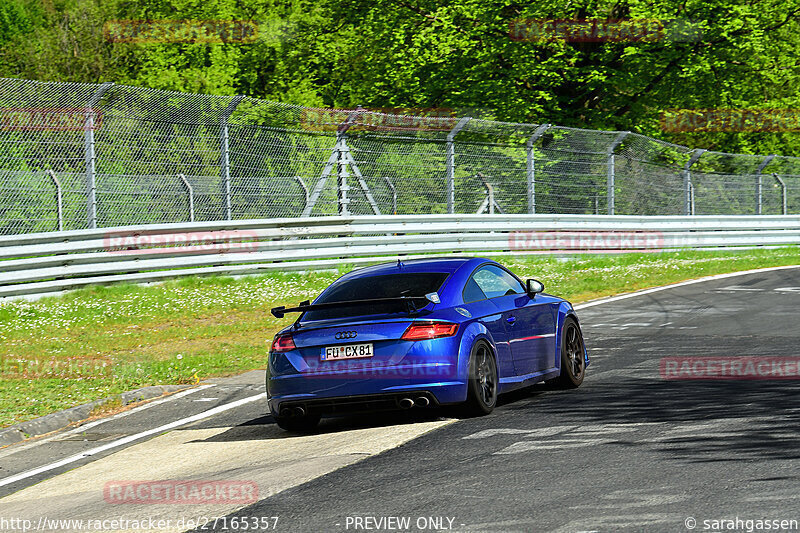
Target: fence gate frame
[{"x": 341, "y": 159}]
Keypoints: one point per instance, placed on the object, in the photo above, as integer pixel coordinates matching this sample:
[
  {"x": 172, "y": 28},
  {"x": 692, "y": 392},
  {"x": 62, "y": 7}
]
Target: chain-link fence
[{"x": 74, "y": 156}]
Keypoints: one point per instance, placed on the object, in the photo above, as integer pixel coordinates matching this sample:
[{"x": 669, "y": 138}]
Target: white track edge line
[
  {"x": 12, "y": 449},
  {"x": 130, "y": 438},
  {"x": 679, "y": 284}
]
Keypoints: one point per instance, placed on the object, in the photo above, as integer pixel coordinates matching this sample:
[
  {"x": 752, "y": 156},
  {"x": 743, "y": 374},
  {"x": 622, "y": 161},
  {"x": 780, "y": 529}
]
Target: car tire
[
  {"x": 300, "y": 424},
  {"x": 573, "y": 360},
  {"x": 482, "y": 381}
]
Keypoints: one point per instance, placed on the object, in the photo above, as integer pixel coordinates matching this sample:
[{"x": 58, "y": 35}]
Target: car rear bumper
[
  {"x": 344, "y": 392},
  {"x": 368, "y": 403}
]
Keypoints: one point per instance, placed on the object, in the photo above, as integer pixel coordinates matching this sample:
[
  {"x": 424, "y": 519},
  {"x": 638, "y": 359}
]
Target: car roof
[{"x": 448, "y": 265}]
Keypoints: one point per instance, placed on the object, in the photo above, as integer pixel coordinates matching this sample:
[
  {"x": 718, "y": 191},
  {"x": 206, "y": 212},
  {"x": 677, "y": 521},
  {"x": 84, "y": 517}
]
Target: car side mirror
[{"x": 533, "y": 287}]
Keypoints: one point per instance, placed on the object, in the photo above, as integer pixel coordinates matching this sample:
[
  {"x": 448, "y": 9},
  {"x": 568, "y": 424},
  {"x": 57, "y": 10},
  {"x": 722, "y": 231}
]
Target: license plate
[{"x": 347, "y": 351}]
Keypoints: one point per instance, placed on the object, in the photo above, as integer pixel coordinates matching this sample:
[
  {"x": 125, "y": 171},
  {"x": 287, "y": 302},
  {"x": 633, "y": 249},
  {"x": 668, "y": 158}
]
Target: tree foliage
[{"x": 437, "y": 53}]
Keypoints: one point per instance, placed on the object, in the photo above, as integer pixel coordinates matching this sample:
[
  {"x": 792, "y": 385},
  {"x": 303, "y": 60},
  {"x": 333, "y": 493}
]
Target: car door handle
[{"x": 511, "y": 319}]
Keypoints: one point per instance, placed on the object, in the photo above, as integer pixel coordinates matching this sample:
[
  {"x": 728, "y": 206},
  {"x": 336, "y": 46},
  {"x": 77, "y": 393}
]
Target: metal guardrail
[{"x": 55, "y": 261}]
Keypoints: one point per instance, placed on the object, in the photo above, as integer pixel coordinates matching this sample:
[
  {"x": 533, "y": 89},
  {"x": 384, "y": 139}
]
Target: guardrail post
[
  {"x": 784, "y": 202},
  {"x": 688, "y": 186},
  {"x": 759, "y": 195},
  {"x": 225, "y": 163},
  {"x": 611, "y": 177},
  {"x": 531, "y": 166},
  {"x": 59, "y": 201},
  {"x": 91, "y": 157},
  {"x": 190, "y": 190},
  {"x": 451, "y": 163}
]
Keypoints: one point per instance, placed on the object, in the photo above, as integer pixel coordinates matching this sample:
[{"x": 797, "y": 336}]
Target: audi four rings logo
[{"x": 346, "y": 335}]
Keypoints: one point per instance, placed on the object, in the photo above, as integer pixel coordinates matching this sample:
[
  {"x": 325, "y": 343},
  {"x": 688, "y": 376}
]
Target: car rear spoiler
[{"x": 279, "y": 312}]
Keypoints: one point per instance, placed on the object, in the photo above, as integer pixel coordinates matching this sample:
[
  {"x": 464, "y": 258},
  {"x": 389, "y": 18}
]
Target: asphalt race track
[{"x": 629, "y": 450}]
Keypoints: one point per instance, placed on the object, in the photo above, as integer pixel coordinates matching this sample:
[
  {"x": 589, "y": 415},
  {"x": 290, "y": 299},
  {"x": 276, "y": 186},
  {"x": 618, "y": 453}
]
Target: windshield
[{"x": 386, "y": 286}]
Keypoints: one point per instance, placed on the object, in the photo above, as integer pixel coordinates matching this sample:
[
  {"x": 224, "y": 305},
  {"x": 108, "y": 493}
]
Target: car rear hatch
[{"x": 375, "y": 343}]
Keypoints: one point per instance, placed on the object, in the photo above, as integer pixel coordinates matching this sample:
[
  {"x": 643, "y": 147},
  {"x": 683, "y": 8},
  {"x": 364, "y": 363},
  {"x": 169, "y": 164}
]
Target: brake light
[
  {"x": 429, "y": 330},
  {"x": 283, "y": 343}
]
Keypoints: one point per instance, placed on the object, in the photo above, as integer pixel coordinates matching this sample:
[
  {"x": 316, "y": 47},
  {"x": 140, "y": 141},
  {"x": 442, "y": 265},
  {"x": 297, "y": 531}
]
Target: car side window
[
  {"x": 472, "y": 293},
  {"x": 495, "y": 281}
]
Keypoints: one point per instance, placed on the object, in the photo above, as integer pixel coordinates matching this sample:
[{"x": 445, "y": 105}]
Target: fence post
[
  {"x": 688, "y": 186},
  {"x": 394, "y": 194},
  {"x": 348, "y": 158},
  {"x": 531, "y": 166},
  {"x": 759, "y": 195},
  {"x": 305, "y": 189},
  {"x": 190, "y": 190},
  {"x": 225, "y": 163},
  {"x": 334, "y": 159},
  {"x": 451, "y": 164},
  {"x": 341, "y": 179},
  {"x": 91, "y": 158},
  {"x": 59, "y": 200},
  {"x": 488, "y": 202},
  {"x": 784, "y": 203},
  {"x": 611, "y": 176}
]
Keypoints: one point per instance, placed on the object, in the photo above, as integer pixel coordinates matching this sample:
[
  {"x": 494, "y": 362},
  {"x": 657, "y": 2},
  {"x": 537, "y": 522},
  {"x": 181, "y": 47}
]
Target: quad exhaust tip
[
  {"x": 290, "y": 412},
  {"x": 406, "y": 403}
]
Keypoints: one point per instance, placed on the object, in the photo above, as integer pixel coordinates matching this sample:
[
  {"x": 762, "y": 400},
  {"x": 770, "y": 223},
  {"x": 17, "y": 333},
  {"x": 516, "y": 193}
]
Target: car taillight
[
  {"x": 429, "y": 330},
  {"x": 283, "y": 343}
]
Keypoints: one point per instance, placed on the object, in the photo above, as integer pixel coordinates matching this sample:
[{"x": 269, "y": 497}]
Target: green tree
[{"x": 437, "y": 53}]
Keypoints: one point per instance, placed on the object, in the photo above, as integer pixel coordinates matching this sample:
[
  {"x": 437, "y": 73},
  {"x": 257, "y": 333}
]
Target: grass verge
[{"x": 59, "y": 352}]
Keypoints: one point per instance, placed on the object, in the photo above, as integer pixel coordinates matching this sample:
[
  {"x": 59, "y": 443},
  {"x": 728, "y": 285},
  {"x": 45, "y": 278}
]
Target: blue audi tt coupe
[{"x": 420, "y": 333}]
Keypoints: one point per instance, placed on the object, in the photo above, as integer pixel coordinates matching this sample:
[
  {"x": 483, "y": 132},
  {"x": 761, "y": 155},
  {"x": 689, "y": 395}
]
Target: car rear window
[{"x": 385, "y": 286}]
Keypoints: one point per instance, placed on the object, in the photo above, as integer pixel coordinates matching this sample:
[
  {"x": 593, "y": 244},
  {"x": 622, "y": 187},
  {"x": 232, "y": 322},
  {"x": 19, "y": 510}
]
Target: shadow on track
[
  {"x": 718, "y": 420},
  {"x": 264, "y": 428}
]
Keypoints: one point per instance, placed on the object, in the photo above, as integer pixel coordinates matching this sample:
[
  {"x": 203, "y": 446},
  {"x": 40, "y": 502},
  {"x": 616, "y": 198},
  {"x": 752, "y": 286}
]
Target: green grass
[{"x": 53, "y": 350}]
